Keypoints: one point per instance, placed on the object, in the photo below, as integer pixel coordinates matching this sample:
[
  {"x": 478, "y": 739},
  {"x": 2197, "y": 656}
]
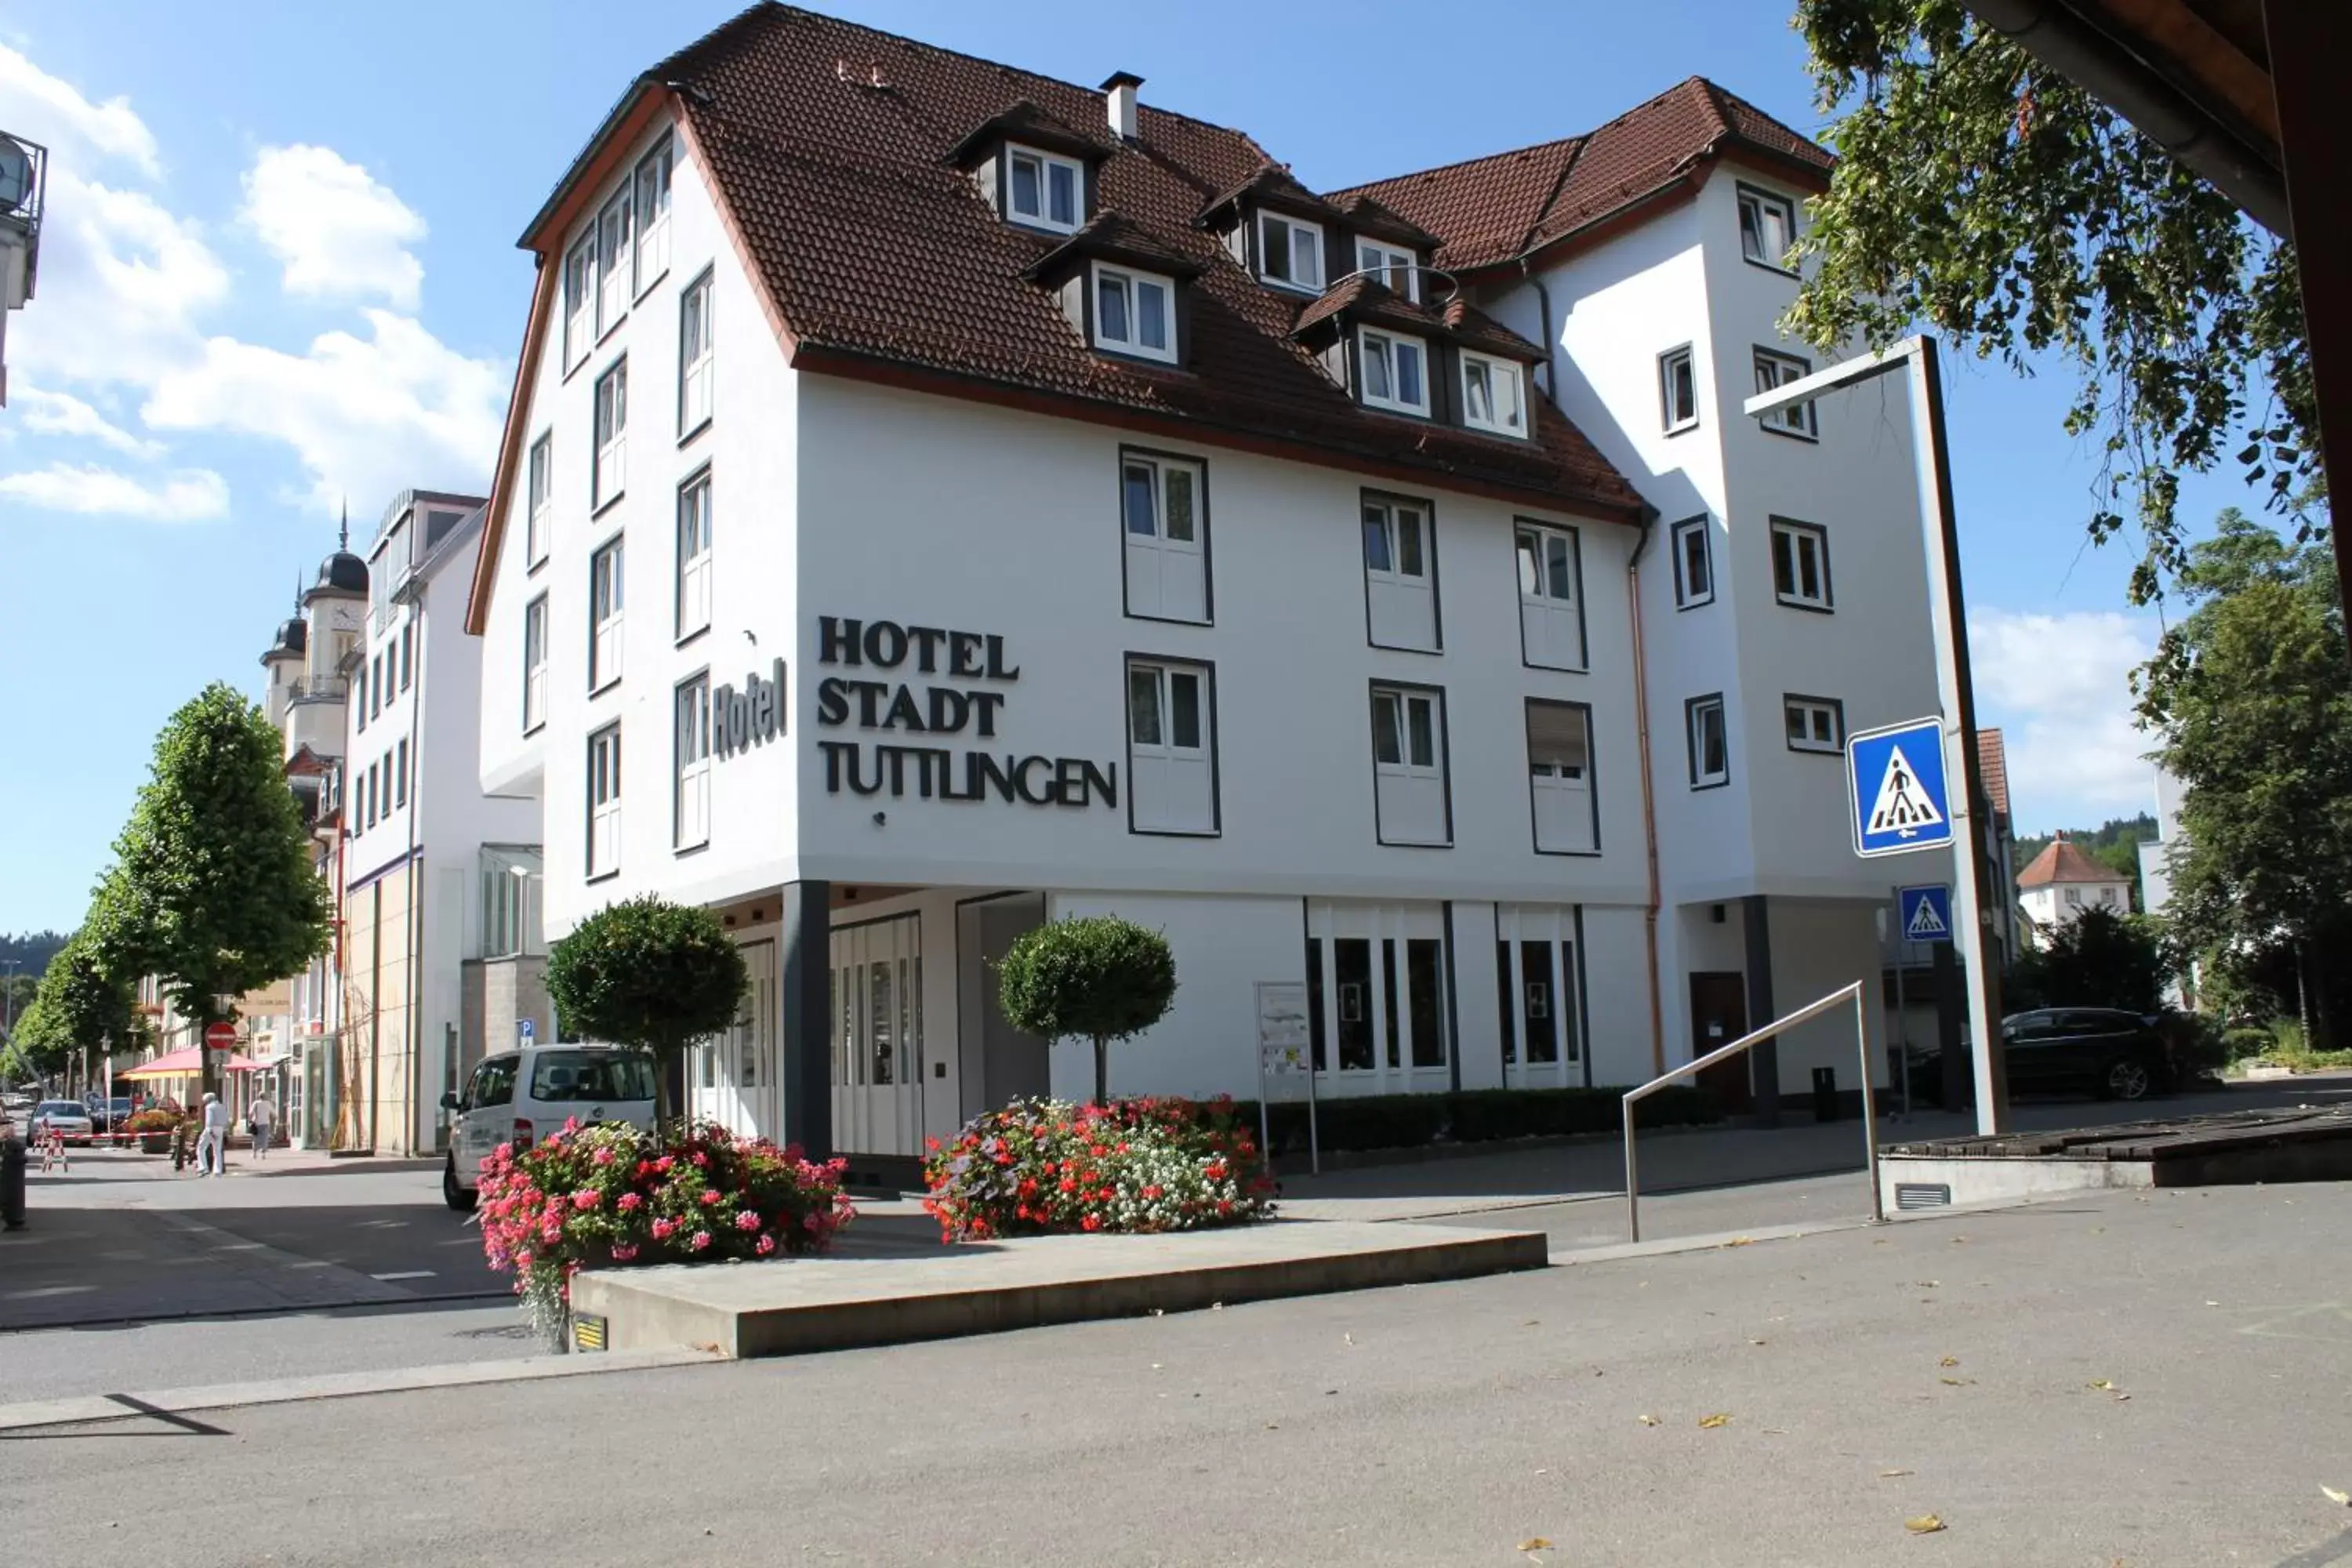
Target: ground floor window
[
  {"x": 1537, "y": 985},
  {"x": 1376, "y": 980}
]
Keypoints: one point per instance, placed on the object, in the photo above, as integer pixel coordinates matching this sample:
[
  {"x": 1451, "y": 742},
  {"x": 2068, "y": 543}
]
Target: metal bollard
[{"x": 12, "y": 1182}]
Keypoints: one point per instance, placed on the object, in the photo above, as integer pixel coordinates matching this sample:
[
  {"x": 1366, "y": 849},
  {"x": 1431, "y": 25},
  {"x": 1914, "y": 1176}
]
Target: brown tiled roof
[
  {"x": 1365, "y": 215},
  {"x": 881, "y": 258},
  {"x": 1496, "y": 208},
  {"x": 2061, "y": 861},
  {"x": 1992, "y": 761},
  {"x": 1272, "y": 186}
]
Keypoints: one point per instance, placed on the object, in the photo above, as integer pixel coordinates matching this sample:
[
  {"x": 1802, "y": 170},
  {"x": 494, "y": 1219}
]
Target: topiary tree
[
  {"x": 649, "y": 974},
  {"x": 1097, "y": 977},
  {"x": 213, "y": 887}
]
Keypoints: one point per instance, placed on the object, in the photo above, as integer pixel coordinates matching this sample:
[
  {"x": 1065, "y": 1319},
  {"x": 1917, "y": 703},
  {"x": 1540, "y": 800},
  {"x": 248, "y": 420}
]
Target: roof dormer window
[
  {"x": 1494, "y": 395},
  {"x": 1393, "y": 372},
  {"x": 1391, "y": 266},
  {"x": 1135, "y": 312},
  {"x": 1289, "y": 253},
  {"x": 1044, "y": 190}
]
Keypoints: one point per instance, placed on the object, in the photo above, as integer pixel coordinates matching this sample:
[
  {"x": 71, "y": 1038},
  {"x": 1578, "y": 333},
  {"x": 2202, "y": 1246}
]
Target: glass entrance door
[
  {"x": 733, "y": 1075},
  {"x": 1536, "y": 984},
  {"x": 878, "y": 1036}
]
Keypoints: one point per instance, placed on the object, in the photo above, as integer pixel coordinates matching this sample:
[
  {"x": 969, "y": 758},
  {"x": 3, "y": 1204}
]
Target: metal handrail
[{"x": 1779, "y": 1025}]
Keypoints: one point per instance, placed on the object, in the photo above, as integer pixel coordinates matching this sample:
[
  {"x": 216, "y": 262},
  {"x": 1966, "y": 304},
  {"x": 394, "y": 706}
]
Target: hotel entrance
[{"x": 878, "y": 1036}]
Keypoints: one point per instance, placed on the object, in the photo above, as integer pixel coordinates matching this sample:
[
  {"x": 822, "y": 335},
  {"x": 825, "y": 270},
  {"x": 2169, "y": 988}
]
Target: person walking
[
  {"x": 261, "y": 1116},
  {"x": 212, "y": 1143}
]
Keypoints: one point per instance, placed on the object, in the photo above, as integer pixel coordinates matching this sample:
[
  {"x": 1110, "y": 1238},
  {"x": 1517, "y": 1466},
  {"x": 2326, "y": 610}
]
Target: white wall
[
  {"x": 1010, "y": 525},
  {"x": 1820, "y": 946}
]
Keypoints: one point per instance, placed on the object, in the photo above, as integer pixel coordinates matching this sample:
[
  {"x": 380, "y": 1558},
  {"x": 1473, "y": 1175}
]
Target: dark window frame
[
  {"x": 1207, "y": 669},
  {"x": 1776, "y": 525},
  {"x": 1591, "y": 776},
  {"x": 1703, "y": 525},
  {"x": 1436, "y": 585},
  {"x": 1373, "y": 687},
  {"x": 1200, "y": 507},
  {"x": 1836, "y": 706},
  {"x": 1691, "y": 707}
]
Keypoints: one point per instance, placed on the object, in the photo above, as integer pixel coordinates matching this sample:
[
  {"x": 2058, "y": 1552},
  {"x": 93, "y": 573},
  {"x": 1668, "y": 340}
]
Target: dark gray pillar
[
  {"x": 807, "y": 1022},
  {"x": 1764, "y": 1057}
]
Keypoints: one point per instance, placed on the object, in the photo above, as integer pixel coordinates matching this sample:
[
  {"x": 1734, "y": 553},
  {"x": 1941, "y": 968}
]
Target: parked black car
[
  {"x": 108, "y": 1115},
  {"x": 2101, "y": 1051}
]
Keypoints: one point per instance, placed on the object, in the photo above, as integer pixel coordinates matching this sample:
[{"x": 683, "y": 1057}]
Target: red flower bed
[
  {"x": 1042, "y": 1167},
  {"x": 607, "y": 1192}
]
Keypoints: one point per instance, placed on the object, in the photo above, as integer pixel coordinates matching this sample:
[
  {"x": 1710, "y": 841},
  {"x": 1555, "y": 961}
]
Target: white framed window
[
  {"x": 1391, "y": 266},
  {"x": 407, "y": 645},
  {"x": 614, "y": 242},
  {"x": 375, "y": 683},
  {"x": 1551, "y": 609},
  {"x": 374, "y": 774},
  {"x": 579, "y": 298},
  {"x": 2074, "y": 897},
  {"x": 1044, "y": 190},
  {"x": 612, "y": 461},
  {"x": 1164, "y": 520},
  {"x": 1171, "y": 747},
  {"x": 1768, "y": 227},
  {"x": 604, "y": 583},
  {"x": 360, "y": 697},
  {"x": 653, "y": 181},
  {"x": 604, "y": 801},
  {"x": 1677, "y": 389},
  {"x": 1135, "y": 313},
  {"x": 693, "y": 554},
  {"x": 1775, "y": 370},
  {"x": 1399, "y": 573},
  {"x": 1494, "y": 395},
  {"x": 1559, "y": 777},
  {"x": 400, "y": 774},
  {"x": 1394, "y": 371},
  {"x": 534, "y": 664},
  {"x": 539, "y": 501},
  {"x": 1693, "y": 562},
  {"x": 1290, "y": 251},
  {"x": 695, "y": 350},
  {"x": 689, "y": 825},
  {"x": 1814, "y": 723},
  {"x": 1409, "y": 802},
  {"x": 1710, "y": 743},
  {"x": 1800, "y": 564}
]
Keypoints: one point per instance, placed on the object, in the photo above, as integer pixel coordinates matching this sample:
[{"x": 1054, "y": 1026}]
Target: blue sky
[{"x": 279, "y": 269}]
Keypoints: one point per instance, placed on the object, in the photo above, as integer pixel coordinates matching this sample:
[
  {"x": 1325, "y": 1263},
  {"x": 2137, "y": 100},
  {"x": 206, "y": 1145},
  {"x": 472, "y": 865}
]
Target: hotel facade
[{"x": 938, "y": 500}]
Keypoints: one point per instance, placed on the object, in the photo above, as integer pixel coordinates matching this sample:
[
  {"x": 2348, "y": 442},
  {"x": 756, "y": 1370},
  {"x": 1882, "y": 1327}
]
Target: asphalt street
[{"x": 2143, "y": 1380}]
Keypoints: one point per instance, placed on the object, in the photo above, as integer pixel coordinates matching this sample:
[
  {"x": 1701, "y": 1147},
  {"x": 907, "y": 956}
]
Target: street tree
[
  {"x": 1094, "y": 977},
  {"x": 84, "y": 1005},
  {"x": 1984, "y": 193},
  {"x": 2097, "y": 959},
  {"x": 212, "y": 888},
  {"x": 649, "y": 974},
  {"x": 2252, "y": 698}
]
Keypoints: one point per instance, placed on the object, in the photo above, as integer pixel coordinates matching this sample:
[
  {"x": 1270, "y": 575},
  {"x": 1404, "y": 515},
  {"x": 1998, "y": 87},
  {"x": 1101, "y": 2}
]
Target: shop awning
[{"x": 186, "y": 1063}]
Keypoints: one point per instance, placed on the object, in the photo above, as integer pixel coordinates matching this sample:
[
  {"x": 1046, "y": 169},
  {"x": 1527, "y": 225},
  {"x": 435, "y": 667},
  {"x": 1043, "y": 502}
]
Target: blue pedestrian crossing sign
[
  {"x": 1925, "y": 913},
  {"x": 1896, "y": 777}
]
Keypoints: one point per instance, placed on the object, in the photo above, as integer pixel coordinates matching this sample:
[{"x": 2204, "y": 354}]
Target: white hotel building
[{"x": 938, "y": 498}]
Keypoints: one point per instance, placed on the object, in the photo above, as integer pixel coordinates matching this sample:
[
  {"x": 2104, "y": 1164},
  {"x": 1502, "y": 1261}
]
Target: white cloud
[
  {"x": 340, "y": 233},
  {"x": 2060, "y": 688},
  {"x": 367, "y": 415},
  {"x": 189, "y": 496},
  {"x": 124, "y": 281},
  {"x": 54, "y": 112},
  {"x": 62, "y": 413}
]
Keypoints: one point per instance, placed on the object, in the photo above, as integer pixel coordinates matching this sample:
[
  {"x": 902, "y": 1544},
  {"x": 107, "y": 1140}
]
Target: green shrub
[
  {"x": 1095, "y": 977},
  {"x": 1042, "y": 1167},
  {"x": 2245, "y": 1041}
]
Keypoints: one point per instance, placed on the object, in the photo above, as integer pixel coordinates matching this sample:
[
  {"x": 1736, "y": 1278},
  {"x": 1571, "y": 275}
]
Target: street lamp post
[{"x": 1972, "y": 900}]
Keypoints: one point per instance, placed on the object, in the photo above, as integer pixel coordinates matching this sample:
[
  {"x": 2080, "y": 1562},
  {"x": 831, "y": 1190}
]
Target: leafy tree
[
  {"x": 1097, "y": 977},
  {"x": 2097, "y": 959},
  {"x": 86, "y": 1002},
  {"x": 2252, "y": 697},
  {"x": 213, "y": 887},
  {"x": 649, "y": 974},
  {"x": 1985, "y": 193}
]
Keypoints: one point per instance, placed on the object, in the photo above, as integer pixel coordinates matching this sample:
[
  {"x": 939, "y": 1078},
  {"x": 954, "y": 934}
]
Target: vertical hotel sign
[{"x": 922, "y": 729}]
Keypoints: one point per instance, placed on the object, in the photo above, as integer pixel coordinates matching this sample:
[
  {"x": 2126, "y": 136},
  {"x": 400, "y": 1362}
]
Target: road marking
[
  {"x": 405, "y": 1274},
  {"x": 100, "y": 1408}
]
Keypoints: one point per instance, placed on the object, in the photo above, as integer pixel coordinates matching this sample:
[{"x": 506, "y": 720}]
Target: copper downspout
[{"x": 1649, "y": 804}]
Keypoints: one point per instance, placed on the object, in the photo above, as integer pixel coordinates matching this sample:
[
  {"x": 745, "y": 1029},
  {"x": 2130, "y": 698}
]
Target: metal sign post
[
  {"x": 1284, "y": 1051},
  {"x": 1975, "y": 898}
]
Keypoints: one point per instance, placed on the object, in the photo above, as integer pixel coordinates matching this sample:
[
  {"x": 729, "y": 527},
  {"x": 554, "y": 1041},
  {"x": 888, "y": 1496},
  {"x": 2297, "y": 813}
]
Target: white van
[{"x": 520, "y": 1097}]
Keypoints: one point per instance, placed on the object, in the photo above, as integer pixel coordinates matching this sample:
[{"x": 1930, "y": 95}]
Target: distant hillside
[
  {"x": 2114, "y": 843},
  {"x": 31, "y": 950}
]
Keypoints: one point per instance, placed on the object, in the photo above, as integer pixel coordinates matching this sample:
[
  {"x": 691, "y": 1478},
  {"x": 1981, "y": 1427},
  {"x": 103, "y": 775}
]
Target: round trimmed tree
[
  {"x": 648, "y": 974},
  {"x": 1095, "y": 977}
]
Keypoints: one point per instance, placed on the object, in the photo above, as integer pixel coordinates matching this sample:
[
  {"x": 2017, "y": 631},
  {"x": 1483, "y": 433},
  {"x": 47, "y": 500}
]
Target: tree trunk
[
  {"x": 2302, "y": 1008},
  {"x": 209, "y": 1073},
  {"x": 1102, "y": 1071}
]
